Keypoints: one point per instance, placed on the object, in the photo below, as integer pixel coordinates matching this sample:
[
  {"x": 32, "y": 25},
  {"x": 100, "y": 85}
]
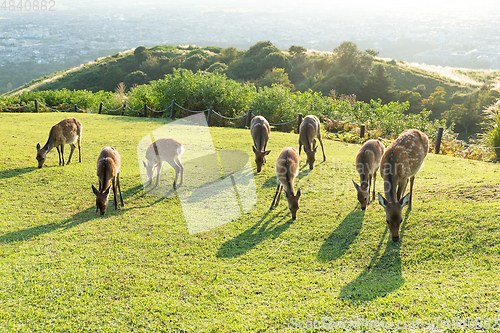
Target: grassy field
[{"x": 65, "y": 268}]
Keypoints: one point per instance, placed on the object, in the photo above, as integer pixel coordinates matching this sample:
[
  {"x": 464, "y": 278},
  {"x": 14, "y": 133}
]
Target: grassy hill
[{"x": 66, "y": 268}]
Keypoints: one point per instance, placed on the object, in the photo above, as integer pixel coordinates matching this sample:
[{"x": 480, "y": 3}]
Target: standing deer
[
  {"x": 309, "y": 130},
  {"x": 108, "y": 170},
  {"x": 367, "y": 164},
  {"x": 164, "y": 150},
  {"x": 287, "y": 168},
  {"x": 259, "y": 128},
  {"x": 68, "y": 131},
  {"x": 400, "y": 162}
]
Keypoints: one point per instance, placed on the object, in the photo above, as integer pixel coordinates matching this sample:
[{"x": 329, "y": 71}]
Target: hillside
[
  {"x": 66, "y": 268},
  {"x": 456, "y": 94}
]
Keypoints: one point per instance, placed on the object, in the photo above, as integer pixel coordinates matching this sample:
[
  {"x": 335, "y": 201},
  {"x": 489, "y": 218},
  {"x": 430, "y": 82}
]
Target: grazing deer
[
  {"x": 259, "y": 128},
  {"x": 400, "y": 162},
  {"x": 367, "y": 164},
  {"x": 164, "y": 150},
  {"x": 108, "y": 170},
  {"x": 287, "y": 168},
  {"x": 309, "y": 130},
  {"x": 68, "y": 131}
]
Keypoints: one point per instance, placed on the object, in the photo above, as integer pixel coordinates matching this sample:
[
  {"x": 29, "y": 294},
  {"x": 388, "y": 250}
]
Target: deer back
[
  {"x": 367, "y": 163},
  {"x": 402, "y": 160},
  {"x": 108, "y": 166},
  {"x": 67, "y": 131},
  {"x": 308, "y": 131},
  {"x": 259, "y": 128},
  {"x": 287, "y": 169}
]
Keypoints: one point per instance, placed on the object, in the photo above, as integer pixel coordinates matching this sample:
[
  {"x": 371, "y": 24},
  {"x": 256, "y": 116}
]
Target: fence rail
[{"x": 146, "y": 110}]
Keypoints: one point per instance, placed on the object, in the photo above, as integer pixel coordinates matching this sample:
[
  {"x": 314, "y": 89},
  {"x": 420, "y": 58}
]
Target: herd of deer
[{"x": 398, "y": 163}]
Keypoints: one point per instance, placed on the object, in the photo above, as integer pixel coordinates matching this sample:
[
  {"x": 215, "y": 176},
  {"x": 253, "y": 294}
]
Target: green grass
[{"x": 65, "y": 268}]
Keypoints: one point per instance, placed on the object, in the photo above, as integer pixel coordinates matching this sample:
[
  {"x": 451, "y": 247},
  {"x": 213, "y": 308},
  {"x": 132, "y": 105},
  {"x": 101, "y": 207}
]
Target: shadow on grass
[
  {"x": 267, "y": 227},
  {"x": 75, "y": 220},
  {"x": 26, "y": 234},
  {"x": 342, "y": 238},
  {"x": 382, "y": 275},
  {"x": 5, "y": 174}
]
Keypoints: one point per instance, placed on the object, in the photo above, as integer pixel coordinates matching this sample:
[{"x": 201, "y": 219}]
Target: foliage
[
  {"x": 378, "y": 85},
  {"x": 276, "y": 76},
  {"x": 436, "y": 101},
  {"x": 414, "y": 98}
]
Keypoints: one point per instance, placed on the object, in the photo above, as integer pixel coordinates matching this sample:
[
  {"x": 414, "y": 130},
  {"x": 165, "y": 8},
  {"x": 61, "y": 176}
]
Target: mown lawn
[{"x": 65, "y": 268}]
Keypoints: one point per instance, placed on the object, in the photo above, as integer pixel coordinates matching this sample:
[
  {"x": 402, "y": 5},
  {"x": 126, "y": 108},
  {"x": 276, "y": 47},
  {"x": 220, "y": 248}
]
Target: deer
[
  {"x": 67, "y": 131},
  {"x": 367, "y": 165},
  {"x": 164, "y": 150},
  {"x": 108, "y": 170},
  {"x": 287, "y": 169},
  {"x": 401, "y": 161},
  {"x": 309, "y": 130},
  {"x": 259, "y": 128}
]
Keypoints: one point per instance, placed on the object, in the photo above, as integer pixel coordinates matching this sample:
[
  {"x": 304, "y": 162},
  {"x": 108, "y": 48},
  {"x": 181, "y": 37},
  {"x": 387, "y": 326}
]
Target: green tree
[
  {"x": 372, "y": 52},
  {"x": 297, "y": 50},
  {"x": 276, "y": 76},
  {"x": 112, "y": 77},
  {"x": 217, "y": 67},
  {"x": 412, "y": 97},
  {"x": 378, "y": 85},
  {"x": 151, "y": 66},
  {"x": 436, "y": 101},
  {"x": 464, "y": 115},
  {"x": 194, "y": 62},
  {"x": 229, "y": 55},
  {"x": 349, "y": 59},
  {"x": 141, "y": 54},
  {"x": 136, "y": 78}
]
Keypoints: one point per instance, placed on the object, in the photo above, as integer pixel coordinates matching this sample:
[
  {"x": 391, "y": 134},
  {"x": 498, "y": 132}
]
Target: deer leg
[
  {"x": 369, "y": 187},
  {"x": 322, "y": 148},
  {"x": 411, "y": 191},
  {"x": 115, "y": 201},
  {"x": 158, "y": 169},
  {"x": 182, "y": 170},
  {"x": 79, "y": 151},
  {"x": 59, "y": 154},
  {"x": 275, "y": 195},
  {"x": 119, "y": 188},
  {"x": 374, "y": 179},
  {"x": 62, "y": 154},
  {"x": 279, "y": 196},
  {"x": 71, "y": 153}
]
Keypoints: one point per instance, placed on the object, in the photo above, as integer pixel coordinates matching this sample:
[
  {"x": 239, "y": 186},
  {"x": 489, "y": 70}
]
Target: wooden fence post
[
  {"x": 100, "y": 108},
  {"x": 209, "y": 115},
  {"x": 36, "y": 106},
  {"x": 145, "y": 110},
  {"x": 299, "y": 121},
  {"x": 362, "y": 131},
  {"x": 438, "y": 140},
  {"x": 123, "y": 108},
  {"x": 76, "y": 108},
  {"x": 249, "y": 116},
  {"x": 172, "y": 110}
]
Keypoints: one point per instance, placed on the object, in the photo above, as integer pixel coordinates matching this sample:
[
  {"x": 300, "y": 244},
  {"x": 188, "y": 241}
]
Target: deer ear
[
  {"x": 315, "y": 149},
  {"x": 94, "y": 190},
  {"x": 254, "y": 150},
  {"x": 403, "y": 202},
  {"x": 356, "y": 186},
  {"x": 38, "y": 146},
  {"x": 382, "y": 201},
  {"x": 267, "y": 152},
  {"x": 298, "y": 194}
]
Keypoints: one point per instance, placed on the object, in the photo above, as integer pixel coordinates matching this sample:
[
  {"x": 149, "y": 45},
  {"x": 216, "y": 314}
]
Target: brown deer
[
  {"x": 309, "y": 130},
  {"x": 108, "y": 170},
  {"x": 367, "y": 164},
  {"x": 287, "y": 168},
  {"x": 259, "y": 128},
  {"x": 164, "y": 150},
  {"x": 68, "y": 131},
  {"x": 400, "y": 162}
]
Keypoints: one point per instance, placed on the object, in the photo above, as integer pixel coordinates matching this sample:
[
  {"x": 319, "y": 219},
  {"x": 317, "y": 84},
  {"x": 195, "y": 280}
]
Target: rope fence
[{"x": 147, "y": 109}]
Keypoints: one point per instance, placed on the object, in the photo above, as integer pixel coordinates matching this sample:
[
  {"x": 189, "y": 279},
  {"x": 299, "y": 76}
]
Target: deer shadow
[
  {"x": 5, "y": 174},
  {"x": 250, "y": 238},
  {"x": 33, "y": 232},
  {"x": 383, "y": 274},
  {"x": 342, "y": 237}
]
